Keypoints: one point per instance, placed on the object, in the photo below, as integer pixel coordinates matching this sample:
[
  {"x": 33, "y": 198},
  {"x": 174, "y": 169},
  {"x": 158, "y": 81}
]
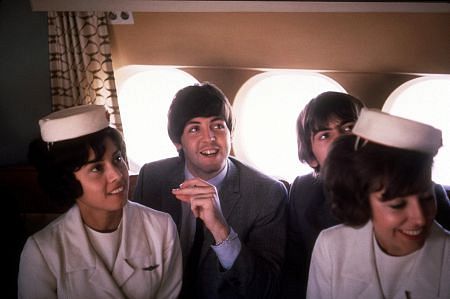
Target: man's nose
[{"x": 209, "y": 134}]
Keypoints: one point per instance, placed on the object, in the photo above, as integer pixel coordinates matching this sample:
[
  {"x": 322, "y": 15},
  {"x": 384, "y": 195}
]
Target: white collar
[{"x": 216, "y": 181}]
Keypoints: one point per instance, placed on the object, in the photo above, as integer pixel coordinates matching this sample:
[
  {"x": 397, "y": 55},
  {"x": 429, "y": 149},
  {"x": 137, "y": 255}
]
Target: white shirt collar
[{"x": 216, "y": 181}]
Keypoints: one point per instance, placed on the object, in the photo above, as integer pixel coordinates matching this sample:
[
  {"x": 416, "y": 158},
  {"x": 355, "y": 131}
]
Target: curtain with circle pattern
[{"x": 80, "y": 62}]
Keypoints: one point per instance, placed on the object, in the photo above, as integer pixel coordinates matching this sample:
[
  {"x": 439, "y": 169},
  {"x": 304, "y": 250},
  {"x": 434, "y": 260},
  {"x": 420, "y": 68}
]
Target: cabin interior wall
[
  {"x": 372, "y": 88},
  {"x": 370, "y": 54},
  {"x": 24, "y": 78}
]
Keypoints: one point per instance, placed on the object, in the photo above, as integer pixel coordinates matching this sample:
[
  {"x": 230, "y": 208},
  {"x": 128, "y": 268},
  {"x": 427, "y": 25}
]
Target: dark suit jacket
[
  {"x": 253, "y": 204},
  {"x": 308, "y": 214}
]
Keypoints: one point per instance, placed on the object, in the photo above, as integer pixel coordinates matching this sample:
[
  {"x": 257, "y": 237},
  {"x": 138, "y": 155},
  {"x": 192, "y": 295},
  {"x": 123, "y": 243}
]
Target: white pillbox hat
[
  {"x": 73, "y": 122},
  {"x": 383, "y": 128}
]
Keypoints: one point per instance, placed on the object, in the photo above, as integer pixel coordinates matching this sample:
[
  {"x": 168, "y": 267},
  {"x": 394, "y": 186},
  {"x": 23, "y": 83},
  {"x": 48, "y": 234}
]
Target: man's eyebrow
[
  {"x": 192, "y": 122},
  {"x": 342, "y": 123},
  {"x": 320, "y": 129},
  {"x": 218, "y": 118}
]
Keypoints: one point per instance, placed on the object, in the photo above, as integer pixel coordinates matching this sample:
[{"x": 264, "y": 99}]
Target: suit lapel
[
  {"x": 230, "y": 191},
  {"x": 229, "y": 195},
  {"x": 170, "y": 203}
]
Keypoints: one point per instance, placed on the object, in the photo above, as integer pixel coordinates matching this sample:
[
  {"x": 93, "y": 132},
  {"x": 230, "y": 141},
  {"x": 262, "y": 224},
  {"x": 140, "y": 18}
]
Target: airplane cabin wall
[{"x": 370, "y": 54}]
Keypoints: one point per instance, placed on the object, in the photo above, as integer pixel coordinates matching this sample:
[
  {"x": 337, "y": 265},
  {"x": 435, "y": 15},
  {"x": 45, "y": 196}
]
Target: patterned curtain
[{"x": 80, "y": 62}]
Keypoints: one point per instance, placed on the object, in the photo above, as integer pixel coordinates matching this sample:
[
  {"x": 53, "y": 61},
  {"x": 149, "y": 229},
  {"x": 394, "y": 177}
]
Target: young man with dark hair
[
  {"x": 324, "y": 119},
  {"x": 238, "y": 212}
]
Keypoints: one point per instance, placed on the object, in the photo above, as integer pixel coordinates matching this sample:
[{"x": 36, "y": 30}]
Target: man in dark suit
[{"x": 228, "y": 213}]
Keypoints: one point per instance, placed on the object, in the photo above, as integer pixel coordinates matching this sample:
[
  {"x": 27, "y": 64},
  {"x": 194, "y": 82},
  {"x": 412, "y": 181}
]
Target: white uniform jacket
[
  {"x": 59, "y": 262},
  {"x": 343, "y": 266}
]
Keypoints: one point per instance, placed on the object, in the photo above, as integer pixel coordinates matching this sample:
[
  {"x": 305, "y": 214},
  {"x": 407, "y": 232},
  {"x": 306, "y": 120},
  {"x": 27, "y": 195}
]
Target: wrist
[
  {"x": 221, "y": 235},
  {"x": 229, "y": 237}
]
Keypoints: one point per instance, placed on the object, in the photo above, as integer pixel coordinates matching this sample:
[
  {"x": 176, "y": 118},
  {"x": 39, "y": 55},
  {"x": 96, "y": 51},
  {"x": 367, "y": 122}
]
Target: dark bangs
[
  {"x": 347, "y": 111},
  {"x": 316, "y": 116},
  {"x": 204, "y": 100},
  {"x": 205, "y": 107},
  {"x": 409, "y": 174},
  {"x": 74, "y": 153},
  {"x": 351, "y": 174}
]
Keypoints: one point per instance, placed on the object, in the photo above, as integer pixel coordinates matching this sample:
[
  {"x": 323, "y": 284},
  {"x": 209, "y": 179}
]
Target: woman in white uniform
[
  {"x": 104, "y": 246},
  {"x": 379, "y": 182}
]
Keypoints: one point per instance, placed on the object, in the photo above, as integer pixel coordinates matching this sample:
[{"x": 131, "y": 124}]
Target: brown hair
[
  {"x": 351, "y": 175},
  {"x": 317, "y": 114},
  {"x": 199, "y": 100}
]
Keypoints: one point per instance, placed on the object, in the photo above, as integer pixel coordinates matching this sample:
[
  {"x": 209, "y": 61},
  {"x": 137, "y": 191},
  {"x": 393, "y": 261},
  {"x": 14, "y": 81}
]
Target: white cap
[
  {"x": 380, "y": 127},
  {"x": 73, "y": 122}
]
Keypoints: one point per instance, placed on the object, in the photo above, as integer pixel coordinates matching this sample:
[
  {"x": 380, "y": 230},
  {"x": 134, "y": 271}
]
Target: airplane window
[
  {"x": 145, "y": 94},
  {"x": 427, "y": 99},
  {"x": 266, "y": 108}
]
